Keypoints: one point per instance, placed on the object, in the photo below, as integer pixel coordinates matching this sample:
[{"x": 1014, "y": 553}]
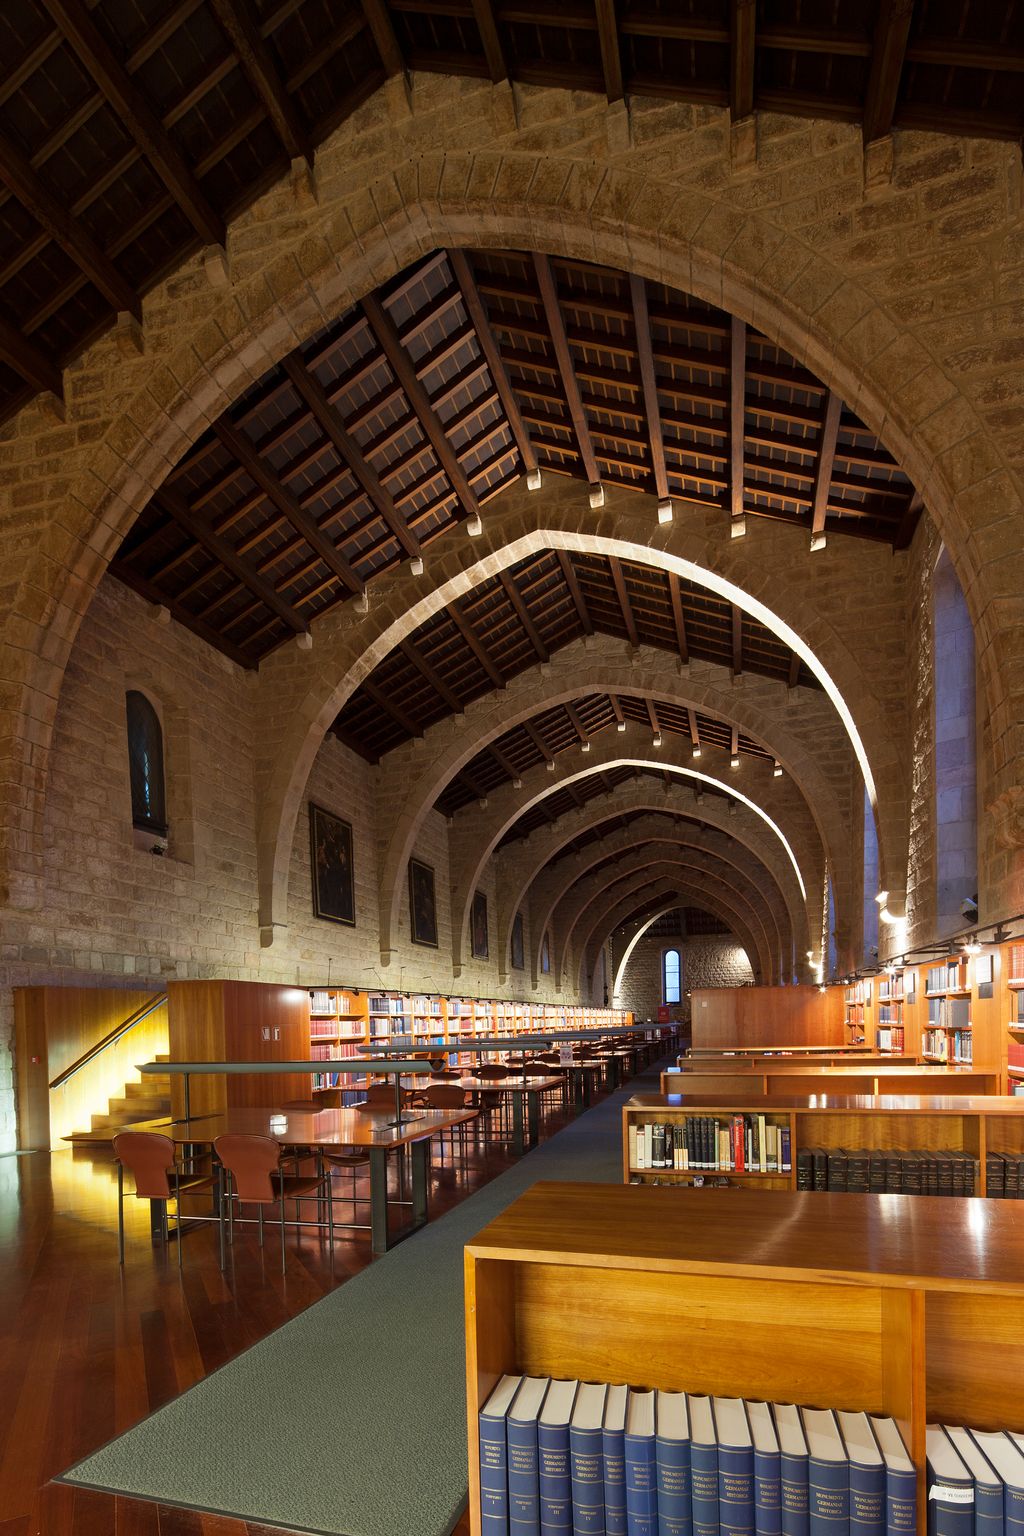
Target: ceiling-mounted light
[
  {"x": 695, "y": 752},
  {"x": 475, "y": 527},
  {"x": 665, "y": 511},
  {"x": 777, "y": 770},
  {"x": 533, "y": 479},
  {"x": 595, "y": 495},
  {"x": 734, "y": 761},
  {"x": 416, "y": 565},
  {"x": 584, "y": 746},
  {"x": 656, "y": 739},
  {"x": 972, "y": 945},
  {"x": 620, "y": 726}
]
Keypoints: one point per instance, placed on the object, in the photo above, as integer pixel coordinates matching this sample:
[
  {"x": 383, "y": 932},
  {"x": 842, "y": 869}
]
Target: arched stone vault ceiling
[
  {"x": 803, "y": 733},
  {"x": 523, "y": 864},
  {"x": 476, "y": 832},
  {"x": 460, "y": 168},
  {"x": 657, "y": 898},
  {"x": 616, "y": 854},
  {"x": 734, "y": 883}
]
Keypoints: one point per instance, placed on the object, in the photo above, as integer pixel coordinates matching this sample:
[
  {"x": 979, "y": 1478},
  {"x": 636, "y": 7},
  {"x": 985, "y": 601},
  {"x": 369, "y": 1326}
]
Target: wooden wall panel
[
  {"x": 238, "y": 1021},
  {"x": 767, "y": 1016}
]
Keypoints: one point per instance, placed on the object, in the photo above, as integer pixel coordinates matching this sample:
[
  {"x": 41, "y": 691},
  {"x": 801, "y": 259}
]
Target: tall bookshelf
[
  {"x": 857, "y": 1016},
  {"x": 1013, "y": 1036}
]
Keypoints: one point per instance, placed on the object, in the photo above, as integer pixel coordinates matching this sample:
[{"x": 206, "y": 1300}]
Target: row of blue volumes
[
  {"x": 570, "y": 1458},
  {"x": 975, "y": 1482}
]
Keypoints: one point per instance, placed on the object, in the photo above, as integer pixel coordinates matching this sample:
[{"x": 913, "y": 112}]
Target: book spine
[
  {"x": 1013, "y": 1509},
  {"x": 787, "y": 1150},
  {"x": 900, "y": 1502},
  {"x": 493, "y": 1478},
  {"x": 793, "y": 1477},
  {"x": 767, "y": 1494},
  {"x": 587, "y": 1478},
  {"x": 704, "y": 1489},
  {"x": 735, "y": 1490},
  {"x": 951, "y": 1508},
  {"x": 523, "y": 1471},
  {"x": 828, "y": 1496},
  {"x": 673, "y": 1487},
  {"x": 988, "y": 1510},
  {"x": 555, "y": 1479},
  {"x": 867, "y": 1500},
  {"x": 641, "y": 1486},
  {"x": 614, "y": 1463}
]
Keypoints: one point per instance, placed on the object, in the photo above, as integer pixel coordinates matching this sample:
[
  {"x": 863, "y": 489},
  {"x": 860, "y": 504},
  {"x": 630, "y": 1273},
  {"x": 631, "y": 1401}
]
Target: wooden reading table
[{"x": 519, "y": 1088}]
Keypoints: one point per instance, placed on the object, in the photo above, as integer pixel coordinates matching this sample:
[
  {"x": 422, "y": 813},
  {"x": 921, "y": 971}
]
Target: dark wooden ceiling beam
[
  {"x": 286, "y": 502},
  {"x": 794, "y": 670},
  {"x": 258, "y": 66},
  {"x": 734, "y": 744},
  {"x": 401, "y": 365},
  {"x": 29, "y": 361},
  {"x": 130, "y": 103},
  {"x": 620, "y": 718},
  {"x": 385, "y": 702},
  {"x": 888, "y": 54},
  {"x": 472, "y": 639},
  {"x": 582, "y": 733},
  {"x": 515, "y": 597},
  {"x": 737, "y": 419},
  {"x": 508, "y": 768},
  {"x": 490, "y": 37},
  {"x": 313, "y": 394},
  {"x": 65, "y": 230},
  {"x": 737, "y": 640},
  {"x": 827, "y": 440},
  {"x": 463, "y": 270},
  {"x": 622, "y": 593},
  {"x": 652, "y": 716},
  {"x": 156, "y": 595},
  {"x": 742, "y": 40},
  {"x": 382, "y": 30},
  {"x": 678, "y": 619},
  {"x": 575, "y": 591},
  {"x": 566, "y": 368},
  {"x": 415, "y": 656},
  {"x": 652, "y": 409},
  {"x": 538, "y": 741},
  {"x": 691, "y": 720},
  {"x": 611, "y": 58}
]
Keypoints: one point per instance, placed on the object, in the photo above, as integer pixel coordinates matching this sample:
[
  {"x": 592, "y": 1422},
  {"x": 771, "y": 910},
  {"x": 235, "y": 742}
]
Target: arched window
[
  {"x": 670, "y": 975},
  {"x": 146, "y": 764}
]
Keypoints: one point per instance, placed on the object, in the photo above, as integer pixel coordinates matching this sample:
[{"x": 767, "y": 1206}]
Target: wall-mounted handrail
[{"x": 159, "y": 1000}]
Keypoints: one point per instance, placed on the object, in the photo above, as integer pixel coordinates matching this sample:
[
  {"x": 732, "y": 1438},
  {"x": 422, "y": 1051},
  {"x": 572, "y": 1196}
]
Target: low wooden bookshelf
[
  {"x": 889, "y": 1304},
  {"x": 791, "y": 1077},
  {"x": 973, "y": 1125}
]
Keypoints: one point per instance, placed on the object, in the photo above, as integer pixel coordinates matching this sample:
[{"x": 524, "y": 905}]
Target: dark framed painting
[
  {"x": 545, "y": 956},
  {"x": 517, "y": 952},
  {"x": 330, "y": 852},
  {"x": 478, "y": 927},
  {"x": 422, "y": 904}
]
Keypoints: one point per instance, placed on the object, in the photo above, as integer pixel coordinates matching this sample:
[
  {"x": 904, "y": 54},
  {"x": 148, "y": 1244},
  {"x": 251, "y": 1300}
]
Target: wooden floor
[{"x": 87, "y": 1350}]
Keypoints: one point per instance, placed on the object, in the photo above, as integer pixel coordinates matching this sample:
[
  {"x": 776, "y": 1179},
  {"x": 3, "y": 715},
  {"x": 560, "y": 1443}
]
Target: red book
[{"x": 737, "y": 1144}]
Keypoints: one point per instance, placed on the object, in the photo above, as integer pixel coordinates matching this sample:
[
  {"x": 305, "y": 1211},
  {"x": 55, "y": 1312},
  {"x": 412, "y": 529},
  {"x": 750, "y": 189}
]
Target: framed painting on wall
[
  {"x": 516, "y": 947},
  {"x": 330, "y": 854},
  {"x": 422, "y": 905},
  {"x": 478, "y": 927}
]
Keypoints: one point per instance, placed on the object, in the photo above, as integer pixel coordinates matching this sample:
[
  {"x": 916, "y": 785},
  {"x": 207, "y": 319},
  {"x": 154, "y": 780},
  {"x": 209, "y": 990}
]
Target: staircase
[{"x": 149, "y": 1100}]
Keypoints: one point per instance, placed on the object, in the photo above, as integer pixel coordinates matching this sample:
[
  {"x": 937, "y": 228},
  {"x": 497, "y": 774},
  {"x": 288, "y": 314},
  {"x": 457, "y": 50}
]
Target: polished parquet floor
[{"x": 87, "y": 1350}]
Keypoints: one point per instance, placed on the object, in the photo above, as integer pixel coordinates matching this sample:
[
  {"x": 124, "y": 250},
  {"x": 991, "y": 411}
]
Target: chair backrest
[
  {"x": 250, "y": 1160},
  {"x": 384, "y": 1093},
  {"x": 149, "y": 1157},
  {"x": 451, "y": 1072},
  {"x": 495, "y": 1073},
  {"x": 445, "y": 1096},
  {"x": 301, "y": 1107}
]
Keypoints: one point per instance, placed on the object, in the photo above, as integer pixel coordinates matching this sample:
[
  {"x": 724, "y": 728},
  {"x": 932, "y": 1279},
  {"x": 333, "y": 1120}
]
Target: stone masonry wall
[{"x": 708, "y": 960}]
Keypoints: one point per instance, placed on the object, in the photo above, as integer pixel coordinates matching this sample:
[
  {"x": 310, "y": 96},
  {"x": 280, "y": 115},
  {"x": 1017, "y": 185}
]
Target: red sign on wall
[{"x": 664, "y": 1014}]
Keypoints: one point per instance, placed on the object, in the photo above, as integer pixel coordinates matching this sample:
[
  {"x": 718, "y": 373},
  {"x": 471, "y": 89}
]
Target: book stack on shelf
[
  {"x": 596, "y": 1460},
  {"x": 1004, "y": 1176},
  {"x": 857, "y": 1004},
  {"x": 1015, "y": 1047},
  {"x": 744, "y": 1144},
  {"x": 889, "y": 1170},
  {"x": 889, "y": 1033},
  {"x": 947, "y": 1036},
  {"x": 337, "y": 1028}
]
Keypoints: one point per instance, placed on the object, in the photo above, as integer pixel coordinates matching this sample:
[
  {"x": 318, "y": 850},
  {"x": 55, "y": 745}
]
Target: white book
[
  {"x": 890, "y": 1443},
  {"x": 730, "y": 1416},
  {"x": 558, "y": 1403},
  {"x": 790, "y": 1430},
  {"x": 824, "y": 1441},
  {"x": 588, "y": 1410},
  {"x": 615, "y": 1408},
  {"x": 762, "y": 1429},
  {"x": 527, "y": 1402},
  {"x": 672, "y": 1416},
  {"x": 500, "y": 1400},
  {"x": 702, "y": 1421},
  {"x": 859, "y": 1439}
]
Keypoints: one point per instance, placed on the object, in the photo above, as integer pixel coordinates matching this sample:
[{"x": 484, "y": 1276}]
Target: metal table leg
[
  {"x": 420, "y": 1151},
  {"x": 379, "y": 1199},
  {"x": 517, "y": 1124},
  {"x": 533, "y": 1124}
]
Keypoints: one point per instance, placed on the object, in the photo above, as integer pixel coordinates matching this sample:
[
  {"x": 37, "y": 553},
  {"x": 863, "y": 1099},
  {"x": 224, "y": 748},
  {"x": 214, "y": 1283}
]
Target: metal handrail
[{"x": 148, "y": 1007}]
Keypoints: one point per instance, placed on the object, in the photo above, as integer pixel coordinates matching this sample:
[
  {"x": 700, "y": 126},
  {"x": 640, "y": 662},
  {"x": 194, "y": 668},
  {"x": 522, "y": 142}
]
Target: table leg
[
  {"x": 613, "y": 1073},
  {"x": 534, "y": 1119},
  {"x": 420, "y": 1164},
  {"x": 157, "y": 1209},
  {"x": 517, "y": 1124},
  {"x": 379, "y": 1199}
]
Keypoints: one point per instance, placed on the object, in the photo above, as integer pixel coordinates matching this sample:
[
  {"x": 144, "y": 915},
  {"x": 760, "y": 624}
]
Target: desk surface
[
  {"x": 325, "y": 1128},
  {"x": 831, "y": 1103},
  {"x": 511, "y": 1084}
]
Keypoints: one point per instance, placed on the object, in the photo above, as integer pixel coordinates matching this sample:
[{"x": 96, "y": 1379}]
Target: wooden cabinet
[
  {"x": 237, "y": 1021},
  {"x": 898, "y": 1306},
  {"x": 721, "y": 1017}
]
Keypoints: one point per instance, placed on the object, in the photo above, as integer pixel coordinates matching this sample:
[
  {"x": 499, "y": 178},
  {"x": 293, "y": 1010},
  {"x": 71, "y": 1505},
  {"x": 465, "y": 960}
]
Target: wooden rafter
[
  {"x": 652, "y": 409},
  {"x": 572, "y": 582},
  {"x": 652, "y": 715},
  {"x": 129, "y": 102},
  {"x": 794, "y": 670},
  {"x": 430, "y": 675},
  {"x": 888, "y": 54},
  {"x": 566, "y": 367},
  {"x": 538, "y": 741},
  {"x": 286, "y": 502},
  {"x": 622, "y": 593},
  {"x": 577, "y": 725},
  {"x": 313, "y": 394},
  {"x": 475, "y": 644},
  {"x": 490, "y": 37},
  {"x": 678, "y": 621},
  {"x": 691, "y": 720},
  {"x": 611, "y": 59},
  {"x": 382, "y": 30},
  {"x": 28, "y": 360},
  {"x": 734, "y": 743},
  {"x": 737, "y": 415},
  {"x": 515, "y": 597},
  {"x": 259, "y": 68},
  {"x": 742, "y": 30},
  {"x": 827, "y": 441},
  {"x": 737, "y": 640},
  {"x": 463, "y": 271},
  {"x": 616, "y": 709},
  {"x": 384, "y": 701},
  {"x": 400, "y": 363},
  {"x": 192, "y": 621},
  {"x": 508, "y": 768},
  {"x": 65, "y": 230}
]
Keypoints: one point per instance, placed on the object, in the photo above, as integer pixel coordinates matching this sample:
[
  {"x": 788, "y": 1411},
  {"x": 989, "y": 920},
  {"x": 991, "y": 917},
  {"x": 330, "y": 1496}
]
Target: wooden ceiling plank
[
  {"x": 577, "y": 725},
  {"x": 65, "y": 230},
  {"x": 312, "y": 392},
  {"x": 401, "y": 365},
  {"x": 888, "y": 54},
  {"x": 129, "y": 102},
  {"x": 515, "y": 597},
  {"x": 616, "y": 708},
  {"x": 286, "y": 502},
  {"x": 908, "y": 522},
  {"x": 258, "y": 66},
  {"x": 463, "y": 270},
  {"x": 652, "y": 715},
  {"x": 827, "y": 439},
  {"x": 611, "y": 58},
  {"x": 737, "y": 640},
  {"x": 642, "y": 322},
  {"x": 566, "y": 367},
  {"x": 508, "y": 769},
  {"x": 160, "y": 598},
  {"x": 490, "y": 37},
  {"x": 475, "y": 644},
  {"x": 742, "y": 45},
  {"x": 382, "y": 30},
  {"x": 29, "y": 361},
  {"x": 387, "y": 705},
  {"x": 691, "y": 720},
  {"x": 413, "y": 654},
  {"x": 737, "y": 416},
  {"x": 538, "y": 741},
  {"x": 678, "y": 619},
  {"x": 622, "y": 593},
  {"x": 207, "y": 538}
]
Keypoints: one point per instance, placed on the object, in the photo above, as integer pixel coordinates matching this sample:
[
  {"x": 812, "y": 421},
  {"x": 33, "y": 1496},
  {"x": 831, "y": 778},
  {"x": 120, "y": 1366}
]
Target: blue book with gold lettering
[
  {"x": 900, "y": 1479},
  {"x": 792, "y": 1468},
  {"x": 703, "y": 1467},
  {"x": 586, "y": 1467},
  {"x": 767, "y": 1471},
  {"x": 988, "y": 1485},
  {"x": 553, "y": 1459},
  {"x": 672, "y": 1450},
  {"x": 641, "y": 1471},
  {"x": 1007, "y": 1459},
  {"x": 523, "y": 1460},
  {"x": 950, "y": 1486},
  {"x": 867, "y": 1475},
  {"x": 735, "y": 1467},
  {"x": 493, "y": 1467},
  {"x": 828, "y": 1474},
  {"x": 613, "y": 1450}
]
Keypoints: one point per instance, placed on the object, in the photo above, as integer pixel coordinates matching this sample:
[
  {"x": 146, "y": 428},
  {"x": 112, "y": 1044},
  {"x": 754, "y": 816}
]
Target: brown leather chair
[
  {"x": 150, "y": 1159},
  {"x": 449, "y": 1096},
  {"x": 254, "y": 1176}
]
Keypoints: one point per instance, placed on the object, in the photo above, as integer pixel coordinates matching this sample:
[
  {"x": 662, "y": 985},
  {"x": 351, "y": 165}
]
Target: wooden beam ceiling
[
  {"x": 888, "y": 54},
  {"x": 261, "y": 72}
]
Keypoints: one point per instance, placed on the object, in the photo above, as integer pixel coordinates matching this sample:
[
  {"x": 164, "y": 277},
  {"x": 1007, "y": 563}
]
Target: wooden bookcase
[
  {"x": 819, "y": 1299},
  {"x": 773, "y": 1077},
  {"x": 974, "y": 1125}
]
